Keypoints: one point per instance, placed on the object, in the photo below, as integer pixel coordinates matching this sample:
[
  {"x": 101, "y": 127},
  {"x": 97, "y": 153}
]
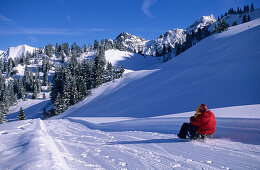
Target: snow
[
  {"x": 33, "y": 108},
  {"x": 221, "y": 71},
  {"x": 16, "y": 52},
  {"x": 131, "y": 61},
  {"x": 133, "y": 122},
  {"x": 169, "y": 39},
  {"x": 147, "y": 143},
  {"x": 201, "y": 23}
]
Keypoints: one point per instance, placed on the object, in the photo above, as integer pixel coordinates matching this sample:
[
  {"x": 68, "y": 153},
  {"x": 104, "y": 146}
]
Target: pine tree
[
  {"x": 84, "y": 49},
  {"x": 49, "y": 50},
  {"x": 58, "y": 81},
  {"x": 58, "y": 105},
  {"x": 252, "y": 7},
  {"x": 20, "y": 90},
  {"x": 3, "y": 112},
  {"x": 248, "y": 18},
  {"x": 99, "y": 67},
  {"x": 43, "y": 96},
  {"x": 45, "y": 114},
  {"x": 121, "y": 71},
  {"x": 35, "y": 92},
  {"x": 21, "y": 115},
  {"x": 234, "y": 23},
  {"x": 96, "y": 44},
  {"x": 222, "y": 26},
  {"x": 2, "y": 117},
  {"x": 67, "y": 89},
  {"x": 244, "y": 20},
  {"x": 45, "y": 79},
  {"x": 74, "y": 97},
  {"x": 109, "y": 72}
]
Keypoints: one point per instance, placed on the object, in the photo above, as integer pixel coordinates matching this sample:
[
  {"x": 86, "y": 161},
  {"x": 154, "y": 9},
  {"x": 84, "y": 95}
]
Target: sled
[{"x": 204, "y": 136}]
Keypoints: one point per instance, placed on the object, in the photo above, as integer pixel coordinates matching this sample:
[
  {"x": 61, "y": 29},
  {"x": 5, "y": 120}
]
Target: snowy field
[
  {"x": 129, "y": 143},
  {"x": 132, "y": 123}
]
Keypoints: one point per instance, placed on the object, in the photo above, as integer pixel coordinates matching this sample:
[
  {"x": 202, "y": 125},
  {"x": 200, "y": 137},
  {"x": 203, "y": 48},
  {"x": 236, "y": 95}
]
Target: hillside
[
  {"x": 133, "y": 122},
  {"x": 222, "y": 70}
]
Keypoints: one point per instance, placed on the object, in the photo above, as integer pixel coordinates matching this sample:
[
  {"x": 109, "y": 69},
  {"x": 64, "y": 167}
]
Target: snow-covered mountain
[
  {"x": 16, "y": 52},
  {"x": 164, "y": 43},
  {"x": 130, "y": 43},
  {"x": 201, "y": 23},
  {"x": 209, "y": 72}
]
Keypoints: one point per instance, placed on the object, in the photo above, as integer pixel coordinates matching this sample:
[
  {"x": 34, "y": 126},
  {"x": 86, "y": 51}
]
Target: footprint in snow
[
  {"x": 122, "y": 164},
  {"x": 189, "y": 160},
  {"x": 84, "y": 155},
  {"x": 176, "y": 165},
  {"x": 106, "y": 157}
]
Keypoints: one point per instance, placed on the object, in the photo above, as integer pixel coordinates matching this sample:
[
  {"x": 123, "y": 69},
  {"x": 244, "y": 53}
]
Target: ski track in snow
[{"x": 62, "y": 144}]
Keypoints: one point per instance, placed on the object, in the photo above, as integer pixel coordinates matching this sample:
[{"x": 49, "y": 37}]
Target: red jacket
[{"x": 206, "y": 122}]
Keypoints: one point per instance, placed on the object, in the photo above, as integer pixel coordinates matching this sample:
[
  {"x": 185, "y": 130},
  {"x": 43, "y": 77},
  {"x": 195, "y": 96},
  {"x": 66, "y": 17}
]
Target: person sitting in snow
[{"x": 203, "y": 122}]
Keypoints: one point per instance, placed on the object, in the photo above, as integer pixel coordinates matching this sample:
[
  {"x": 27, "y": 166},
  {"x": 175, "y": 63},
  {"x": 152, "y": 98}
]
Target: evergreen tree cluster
[
  {"x": 239, "y": 11},
  {"x": 191, "y": 39},
  {"x": 220, "y": 26},
  {"x": 72, "y": 80},
  {"x": 71, "y": 83},
  {"x": 246, "y": 18}
]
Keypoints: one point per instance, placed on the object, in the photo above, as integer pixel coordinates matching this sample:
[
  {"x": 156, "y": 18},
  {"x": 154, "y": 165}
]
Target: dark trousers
[{"x": 187, "y": 129}]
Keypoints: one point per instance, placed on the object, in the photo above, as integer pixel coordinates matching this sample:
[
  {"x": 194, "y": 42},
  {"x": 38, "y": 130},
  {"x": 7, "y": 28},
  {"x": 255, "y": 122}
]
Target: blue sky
[{"x": 41, "y": 22}]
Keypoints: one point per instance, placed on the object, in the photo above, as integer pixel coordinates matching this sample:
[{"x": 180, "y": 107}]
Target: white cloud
[
  {"x": 47, "y": 31},
  {"x": 146, "y": 7}
]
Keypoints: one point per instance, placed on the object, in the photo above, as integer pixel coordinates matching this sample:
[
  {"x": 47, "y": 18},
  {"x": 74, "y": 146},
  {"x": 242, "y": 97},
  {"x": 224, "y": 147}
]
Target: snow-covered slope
[
  {"x": 16, "y": 52},
  {"x": 148, "y": 143},
  {"x": 230, "y": 18},
  {"x": 131, "y": 61},
  {"x": 222, "y": 70}
]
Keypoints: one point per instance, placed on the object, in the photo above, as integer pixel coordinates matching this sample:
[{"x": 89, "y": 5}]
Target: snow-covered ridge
[
  {"x": 201, "y": 23},
  {"x": 16, "y": 52},
  {"x": 164, "y": 43}
]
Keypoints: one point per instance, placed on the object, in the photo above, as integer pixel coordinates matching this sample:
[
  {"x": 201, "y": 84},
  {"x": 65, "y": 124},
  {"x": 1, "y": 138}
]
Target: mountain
[
  {"x": 16, "y": 52},
  {"x": 131, "y": 43},
  {"x": 209, "y": 72},
  {"x": 164, "y": 43},
  {"x": 201, "y": 23}
]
